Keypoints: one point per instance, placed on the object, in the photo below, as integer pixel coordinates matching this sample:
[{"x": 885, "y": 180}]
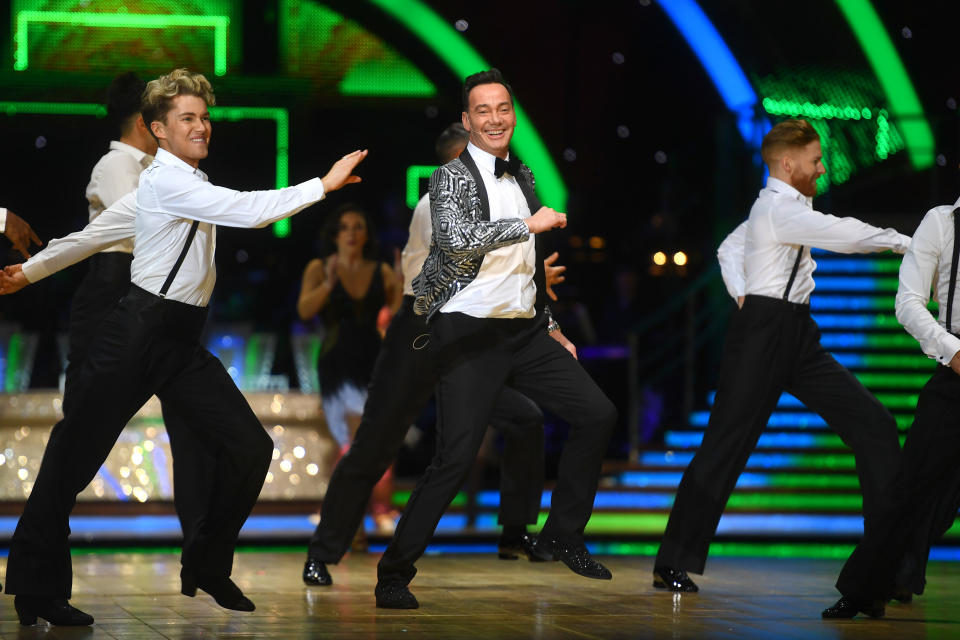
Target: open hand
[
  {"x": 552, "y": 274},
  {"x": 341, "y": 173},
  {"x": 20, "y": 234},
  {"x": 12, "y": 279}
]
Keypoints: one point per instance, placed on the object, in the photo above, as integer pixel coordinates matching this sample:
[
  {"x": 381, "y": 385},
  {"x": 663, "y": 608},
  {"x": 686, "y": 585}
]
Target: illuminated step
[
  {"x": 735, "y": 524},
  {"x": 828, "y": 321},
  {"x": 843, "y": 340},
  {"x": 855, "y": 283},
  {"x": 832, "y": 461},
  {"x": 750, "y": 501},
  {"x": 747, "y": 480},
  {"x": 830, "y": 265},
  {"x": 886, "y": 361},
  {"x": 847, "y": 303},
  {"x": 807, "y": 550},
  {"x": 692, "y": 440},
  {"x": 909, "y": 381},
  {"x": 742, "y": 524},
  {"x": 805, "y": 420}
]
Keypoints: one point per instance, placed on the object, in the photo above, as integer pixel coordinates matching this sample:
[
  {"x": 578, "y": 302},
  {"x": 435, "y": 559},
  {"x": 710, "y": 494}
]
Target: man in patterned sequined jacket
[{"x": 482, "y": 288}]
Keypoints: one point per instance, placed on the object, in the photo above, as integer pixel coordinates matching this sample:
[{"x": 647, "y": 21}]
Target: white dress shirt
[
  {"x": 116, "y": 174},
  {"x": 172, "y": 194},
  {"x": 925, "y": 265},
  {"x": 115, "y": 224},
  {"x": 418, "y": 243},
  {"x": 3, "y": 219},
  {"x": 781, "y": 221},
  {"x": 504, "y": 286}
]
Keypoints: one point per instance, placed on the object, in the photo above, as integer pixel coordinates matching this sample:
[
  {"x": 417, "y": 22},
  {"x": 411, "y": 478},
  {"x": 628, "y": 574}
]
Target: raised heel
[
  {"x": 188, "y": 585},
  {"x": 27, "y": 619}
]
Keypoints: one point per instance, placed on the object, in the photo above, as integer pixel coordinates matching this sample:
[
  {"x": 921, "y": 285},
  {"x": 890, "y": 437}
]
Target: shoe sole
[{"x": 659, "y": 584}]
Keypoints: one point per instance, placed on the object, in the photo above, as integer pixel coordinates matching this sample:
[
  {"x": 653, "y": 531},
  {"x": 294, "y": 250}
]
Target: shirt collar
[
  {"x": 165, "y": 157},
  {"x": 484, "y": 160},
  {"x": 140, "y": 156},
  {"x": 779, "y": 186}
]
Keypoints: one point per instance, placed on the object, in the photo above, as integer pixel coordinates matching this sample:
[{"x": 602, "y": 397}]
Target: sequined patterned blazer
[{"x": 463, "y": 233}]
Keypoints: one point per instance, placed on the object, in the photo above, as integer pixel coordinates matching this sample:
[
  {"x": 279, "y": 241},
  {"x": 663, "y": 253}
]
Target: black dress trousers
[
  {"x": 146, "y": 346},
  {"x": 924, "y": 496},
  {"x": 402, "y": 382},
  {"x": 477, "y": 357},
  {"x": 773, "y": 346},
  {"x": 107, "y": 279}
]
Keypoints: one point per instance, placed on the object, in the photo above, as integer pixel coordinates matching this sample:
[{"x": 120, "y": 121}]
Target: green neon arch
[
  {"x": 463, "y": 59},
  {"x": 893, "y": 78}
]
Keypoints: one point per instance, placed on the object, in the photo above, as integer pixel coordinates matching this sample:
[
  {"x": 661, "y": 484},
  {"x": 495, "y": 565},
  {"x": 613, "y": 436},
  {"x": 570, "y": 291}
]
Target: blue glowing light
[{"x": 720, "y": 64}]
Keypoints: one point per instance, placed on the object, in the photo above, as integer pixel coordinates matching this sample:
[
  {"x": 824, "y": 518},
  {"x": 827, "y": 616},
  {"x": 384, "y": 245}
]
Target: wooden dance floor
[{"x": 136, "y": 596}]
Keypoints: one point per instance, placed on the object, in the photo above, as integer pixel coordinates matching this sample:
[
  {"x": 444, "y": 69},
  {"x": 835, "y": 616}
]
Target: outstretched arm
[
  {"x": 798, "y": 224},
  {"x": 116, "y": 223}
]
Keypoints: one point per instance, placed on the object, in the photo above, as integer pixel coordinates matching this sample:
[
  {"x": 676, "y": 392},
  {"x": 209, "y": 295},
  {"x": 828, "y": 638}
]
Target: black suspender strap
[
  {"x": 953, "y": 268},
  {"x": 793, "y": 274},
  {"x": 180, "y": 259}
]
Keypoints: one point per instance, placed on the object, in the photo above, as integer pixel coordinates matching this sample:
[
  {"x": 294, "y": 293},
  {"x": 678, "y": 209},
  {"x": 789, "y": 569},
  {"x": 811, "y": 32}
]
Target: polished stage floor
[{"x": 136, "y": 596}]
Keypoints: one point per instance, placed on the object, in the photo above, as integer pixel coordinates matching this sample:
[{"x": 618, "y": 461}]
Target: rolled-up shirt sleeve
[
  {"x": 917, "y": 275},
  {"x": 730, "y": 254}
]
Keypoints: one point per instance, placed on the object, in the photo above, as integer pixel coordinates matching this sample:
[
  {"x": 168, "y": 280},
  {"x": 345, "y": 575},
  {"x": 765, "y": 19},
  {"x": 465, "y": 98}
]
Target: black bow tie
[{"x": 511, "y": 166}]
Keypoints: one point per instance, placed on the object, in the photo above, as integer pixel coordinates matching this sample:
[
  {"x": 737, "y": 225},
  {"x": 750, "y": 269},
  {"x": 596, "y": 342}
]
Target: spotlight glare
[
  {"x": 660, "y": 258},
  {"x": 679, "y": 258}
]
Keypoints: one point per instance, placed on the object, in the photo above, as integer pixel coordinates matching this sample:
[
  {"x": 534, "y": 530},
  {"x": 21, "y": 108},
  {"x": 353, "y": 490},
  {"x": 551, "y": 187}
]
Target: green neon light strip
[
  {"x": 892, "y": 341},
  {"x": 21, "y": 36},
  {"x": 53, "y": 108},
  {"x": 890, "y": 72},
  {"x": 279, "y": 115},
  {"x": 415, "y": 174},
  {"x": 464, "y": 60},
  {"x": 898, "y": 400},
  {"x": 894, "y": 380},
  {"x": 835, "y": 112},
  {"x": 736, "y": 549},
  {"x": 892, "y": 361}
]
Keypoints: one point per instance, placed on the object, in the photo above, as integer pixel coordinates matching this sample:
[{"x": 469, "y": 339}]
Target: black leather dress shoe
[
  {"x": 903, "y": 596},
  {"x": 222, "y": 589},
  {"x": 575, "y": 556},
  {"x": 54, "y": 610},
  {"x": 315, "y": 573},
  {"x": 524, "y": 545},
  {"x": 673, "y": 580},
  {"x": 392, "y": 594},
  {"x": 847, "y": 608}
]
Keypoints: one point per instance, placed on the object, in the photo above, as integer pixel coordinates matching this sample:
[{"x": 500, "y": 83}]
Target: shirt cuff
[
  {"x": 949, "y": 345},
  {"x": 313, "y": 189},
  {"x": 35, "y": 270},
  {"x": 3, "y": 220}
]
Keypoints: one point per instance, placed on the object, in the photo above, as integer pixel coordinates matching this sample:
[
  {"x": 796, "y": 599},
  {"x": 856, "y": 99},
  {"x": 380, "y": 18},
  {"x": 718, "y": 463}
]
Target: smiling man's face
[
  {"x": 186, "y": 131},
  {"x": 490, "y": 118}
]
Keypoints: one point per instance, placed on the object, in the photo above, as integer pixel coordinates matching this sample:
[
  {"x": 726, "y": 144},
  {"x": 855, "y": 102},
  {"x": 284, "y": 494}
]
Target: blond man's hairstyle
[
  {"x": 789, "y": 134},
  {"x": 158, "y": 96}
]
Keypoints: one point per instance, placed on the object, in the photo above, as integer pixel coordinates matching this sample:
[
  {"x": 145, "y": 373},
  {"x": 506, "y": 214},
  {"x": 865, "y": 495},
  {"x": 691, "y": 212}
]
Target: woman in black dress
[{"x": 348, "y": 288}]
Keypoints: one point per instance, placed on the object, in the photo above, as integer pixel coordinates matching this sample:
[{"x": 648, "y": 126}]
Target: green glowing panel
[
  {"x": 339, "y": 55},
  {"x": 882, "y": 55},
  {"x": 845, "y": 107},
  {"x": 279, "y": 115},
  {"x": 415, "y": 174},
  {"x": 451, "y": 47},
  {"x": 101, "y": 36},
  {"x": 893, "y": 380}
]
